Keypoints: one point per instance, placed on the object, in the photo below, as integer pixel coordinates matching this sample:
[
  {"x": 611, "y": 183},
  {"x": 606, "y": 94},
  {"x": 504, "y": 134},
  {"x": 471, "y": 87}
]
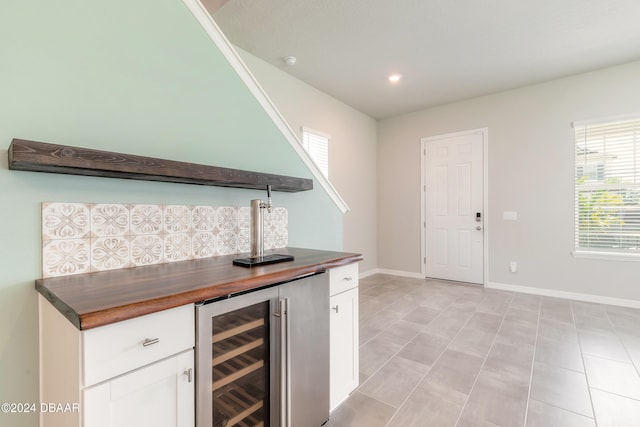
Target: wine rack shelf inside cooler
[
  {"x": 236, "y": 346},
  {"x": 235, "y": 369},
  {"x": 240, "y": 358},
  {"x": 243, "y": 404}
]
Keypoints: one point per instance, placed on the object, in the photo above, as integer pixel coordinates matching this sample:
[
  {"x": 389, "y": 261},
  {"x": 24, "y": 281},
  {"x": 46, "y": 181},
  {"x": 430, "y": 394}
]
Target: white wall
[
  {"x": 352, "y": 149},
  {"x": 530, "y": 171}
]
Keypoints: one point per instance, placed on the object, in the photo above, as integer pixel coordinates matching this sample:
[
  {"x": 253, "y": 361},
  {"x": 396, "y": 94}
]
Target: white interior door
[{"x": 454, "y": 214}]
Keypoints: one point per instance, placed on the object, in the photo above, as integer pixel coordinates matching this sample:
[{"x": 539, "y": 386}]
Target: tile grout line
[
  {"x": 584, "y": 365},
  {"x": 475, "y": 381},
  {"x": 626, "y": 349},
  {"x": 533, "y": 361},
  {"x": 616, "y": 394},
  {"x": 389, "y": 359},
  {"x": 382, "y": 366},
  {"x": 387, "y": 306},
  {"x": 434, "y": 363},
  {"x": 373, "y": 314},
  {"x": 394, "y": 354},
  {"x": 568, "y": 369}
]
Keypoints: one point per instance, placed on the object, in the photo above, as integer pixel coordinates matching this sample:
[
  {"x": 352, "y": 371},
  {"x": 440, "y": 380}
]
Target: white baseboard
[
  {"x": 567, "y": 295},
  {"x": 399, "y": 273},
  {"x": 364, "y": 274}
]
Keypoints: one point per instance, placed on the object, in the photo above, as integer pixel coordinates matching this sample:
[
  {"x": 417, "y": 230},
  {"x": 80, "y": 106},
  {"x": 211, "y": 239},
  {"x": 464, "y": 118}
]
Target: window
[
  {"x": 607, "y": 187},
  {"x": 317, "y": 145}
]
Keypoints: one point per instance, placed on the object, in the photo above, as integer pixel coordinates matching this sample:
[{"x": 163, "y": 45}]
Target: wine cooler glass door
[{"x": 236, "y": 388}]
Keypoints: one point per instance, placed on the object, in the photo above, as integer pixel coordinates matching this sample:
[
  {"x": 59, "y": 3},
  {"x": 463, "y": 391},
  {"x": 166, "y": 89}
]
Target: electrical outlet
[{"x": 513, "y": 266}]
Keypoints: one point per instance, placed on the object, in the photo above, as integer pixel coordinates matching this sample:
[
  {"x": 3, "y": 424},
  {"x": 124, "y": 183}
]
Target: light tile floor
[{"x": 439, "y": 354}]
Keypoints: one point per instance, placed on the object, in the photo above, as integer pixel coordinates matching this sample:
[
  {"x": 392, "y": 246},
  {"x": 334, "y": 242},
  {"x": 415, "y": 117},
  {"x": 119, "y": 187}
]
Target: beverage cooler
[{"x": 263, "y": 357}]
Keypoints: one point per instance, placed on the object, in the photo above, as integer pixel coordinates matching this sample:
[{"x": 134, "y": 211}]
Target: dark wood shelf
[{"x": 44, "y": 157}]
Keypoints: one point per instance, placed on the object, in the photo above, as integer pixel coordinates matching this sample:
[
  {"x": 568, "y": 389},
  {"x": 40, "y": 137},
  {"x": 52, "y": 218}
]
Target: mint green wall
[{"x": 139, "y": 77}]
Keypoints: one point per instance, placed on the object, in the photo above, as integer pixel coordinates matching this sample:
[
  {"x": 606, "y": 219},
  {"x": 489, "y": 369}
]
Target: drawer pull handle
[
  {"x": 348, "y": 279},
  {"x": 150, "y": 341},
  {"x": 189, "y": 374},
  {"x": 335, "y": 308}
]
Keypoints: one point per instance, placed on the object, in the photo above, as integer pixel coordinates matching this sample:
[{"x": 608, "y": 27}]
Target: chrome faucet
[{"x": 257, "y": 224}]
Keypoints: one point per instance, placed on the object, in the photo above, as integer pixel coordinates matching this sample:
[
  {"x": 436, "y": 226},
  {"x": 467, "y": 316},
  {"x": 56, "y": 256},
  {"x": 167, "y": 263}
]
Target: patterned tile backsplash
[{"x": 85, "y": 237}]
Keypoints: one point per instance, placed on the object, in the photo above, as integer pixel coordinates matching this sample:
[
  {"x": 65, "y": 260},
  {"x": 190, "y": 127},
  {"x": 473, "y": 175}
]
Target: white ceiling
[{"x": 446, "y": 50}]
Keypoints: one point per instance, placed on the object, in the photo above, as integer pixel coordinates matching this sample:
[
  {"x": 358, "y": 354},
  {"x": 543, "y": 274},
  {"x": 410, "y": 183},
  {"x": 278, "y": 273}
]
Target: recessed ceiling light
[{"x": 394, "y": 78}]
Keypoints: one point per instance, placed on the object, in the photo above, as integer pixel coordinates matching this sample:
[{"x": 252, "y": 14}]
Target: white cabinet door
[
  {"x": 344, "y": 345},
  {"x": 157, "y": 395}
]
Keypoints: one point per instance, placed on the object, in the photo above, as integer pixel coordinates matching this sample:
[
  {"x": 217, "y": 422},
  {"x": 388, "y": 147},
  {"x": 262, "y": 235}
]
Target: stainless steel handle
[
  {"x": 189, "y": 374},
  {"x": 287, "y": 321},
  {"x": 348, "y": 279},
  {"x": 150, "y": 341},
  {"x": 335, "y": 308},
  {"x": 283, "y": 361},
  {"x": 285, "y": 365}
]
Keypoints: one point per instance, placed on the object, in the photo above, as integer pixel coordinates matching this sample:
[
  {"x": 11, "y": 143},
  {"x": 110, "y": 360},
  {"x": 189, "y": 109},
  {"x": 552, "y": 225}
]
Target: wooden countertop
[{"x": 97, "y": 299}]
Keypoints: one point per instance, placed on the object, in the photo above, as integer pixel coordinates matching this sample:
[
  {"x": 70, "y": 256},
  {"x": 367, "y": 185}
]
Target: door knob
[{"x": 478, "y": 228}]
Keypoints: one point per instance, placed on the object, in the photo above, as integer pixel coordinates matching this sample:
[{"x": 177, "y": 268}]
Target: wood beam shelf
[{"x": 35, "y": 156}]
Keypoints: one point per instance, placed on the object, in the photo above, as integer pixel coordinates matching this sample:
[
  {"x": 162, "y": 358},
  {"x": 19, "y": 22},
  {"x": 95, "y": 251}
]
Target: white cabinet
[
  {"x": 344, "y": 352},
  {"x": 158, "y": 395},
  {"x": 137, "y": 372}
]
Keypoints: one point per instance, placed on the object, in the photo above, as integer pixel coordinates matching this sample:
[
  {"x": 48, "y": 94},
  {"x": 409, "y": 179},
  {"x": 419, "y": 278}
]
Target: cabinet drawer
[
  {"x": 343, "y": 278},
  {"x": 124, "y": 346}
]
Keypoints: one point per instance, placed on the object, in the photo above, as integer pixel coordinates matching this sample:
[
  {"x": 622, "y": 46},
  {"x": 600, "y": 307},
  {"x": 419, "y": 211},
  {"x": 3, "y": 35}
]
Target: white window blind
[
  {"x": 317, "y": 145},
  {"x": 607, "y": 186}
]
